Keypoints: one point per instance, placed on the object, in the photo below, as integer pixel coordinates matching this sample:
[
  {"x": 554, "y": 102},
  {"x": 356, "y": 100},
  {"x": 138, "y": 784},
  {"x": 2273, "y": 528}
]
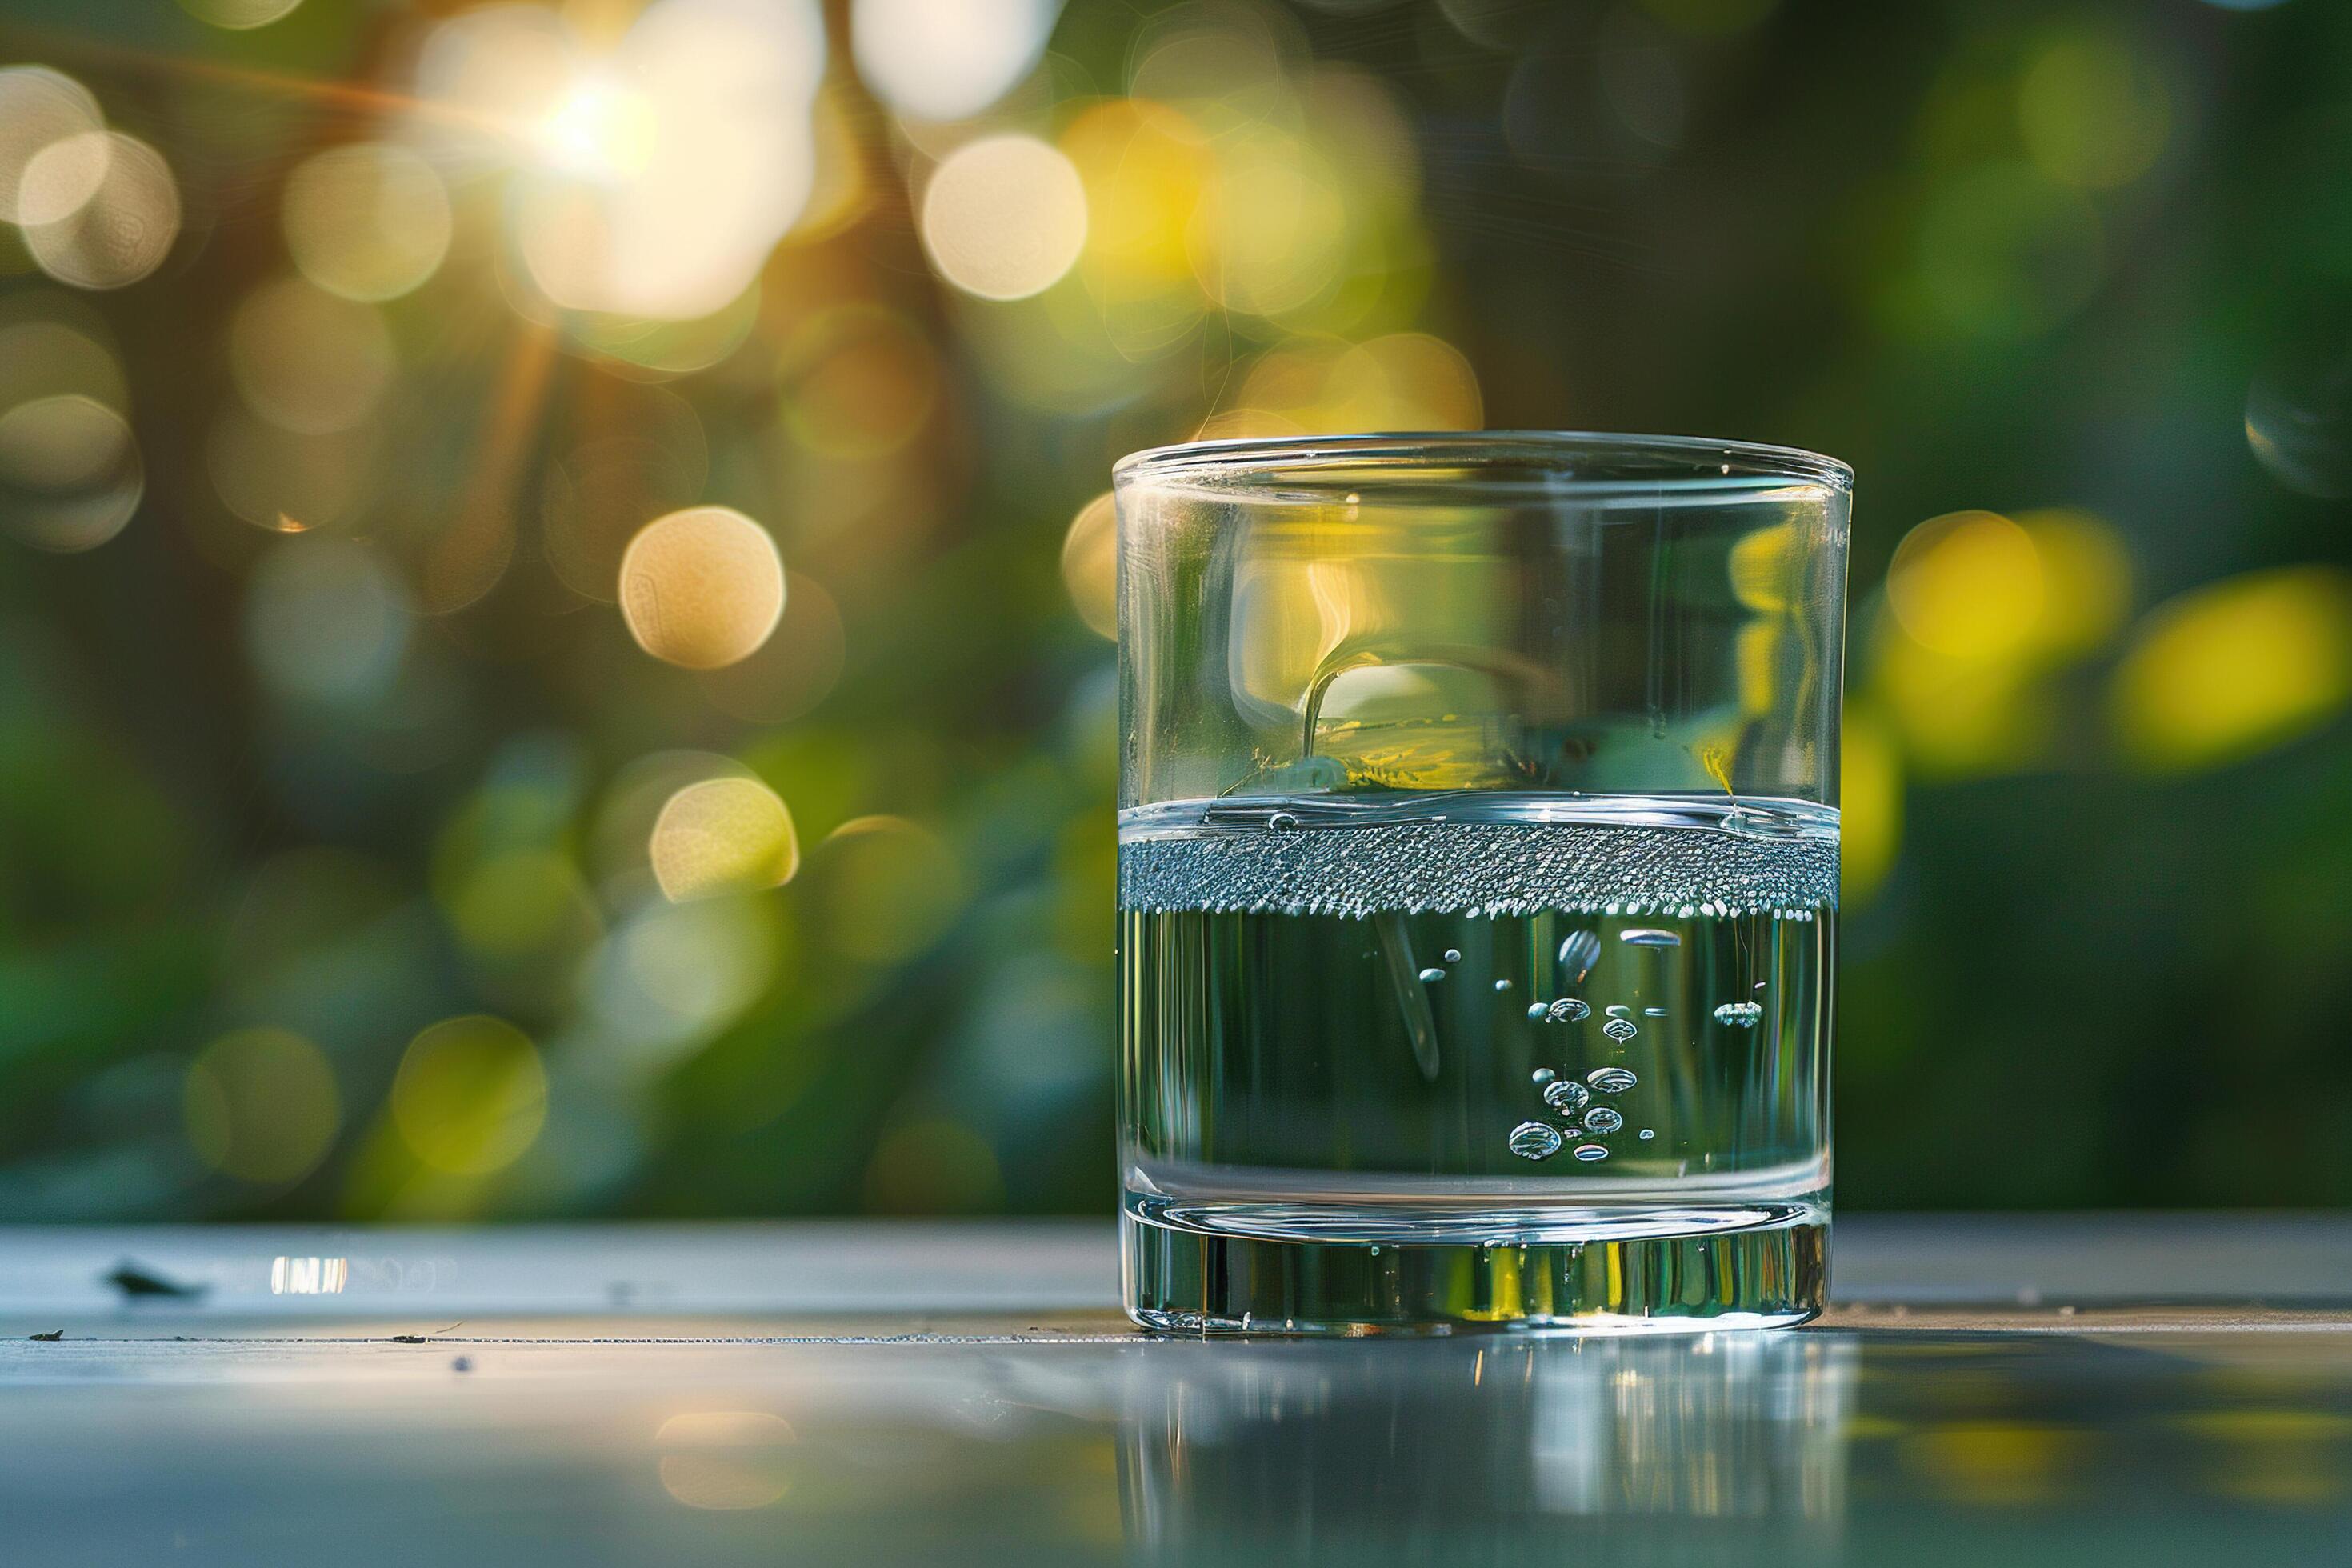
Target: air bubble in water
[
  {"x": 1567, "y": 1010},
  {"x": 1544, "y": 1075},
  {"x": 1649, "y": 936},
  {"x": 1452, "y": 956},
  {"x": 1534, "y": 1140},
  {"x": 1538, "y": 1011},
  {"x": 1502, "y": 985},
  {"x": 1432, "y": 975},
  {"x": 1654, "y": 1012},
  {"x": 1621, "y": 1029},
  {"x": 1578, "y": 951},
  {"x": 1740, "y": 1015},
  {"x": 1612, "y": 1081},
  {"x": 1619, "y": 1010},
  {"x": 1565, "y": 1096},
  {"x": 1648, "y": 1134},
  {"x": 1590, "y": 1151},
  {"x": 1600, "y": 1119},
  {"x": 1281, "y": 821}
]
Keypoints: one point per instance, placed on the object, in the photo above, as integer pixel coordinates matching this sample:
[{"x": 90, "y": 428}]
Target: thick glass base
[{"x": 1686, "y": 1272}]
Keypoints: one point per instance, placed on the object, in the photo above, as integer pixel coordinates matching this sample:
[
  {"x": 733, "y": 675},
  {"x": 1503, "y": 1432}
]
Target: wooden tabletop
[{"x": 2064, "y": 1389}]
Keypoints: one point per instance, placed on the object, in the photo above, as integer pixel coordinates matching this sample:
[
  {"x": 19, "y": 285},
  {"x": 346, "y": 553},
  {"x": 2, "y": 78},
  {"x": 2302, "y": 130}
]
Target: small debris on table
[{"x": 463, "y": 1363}]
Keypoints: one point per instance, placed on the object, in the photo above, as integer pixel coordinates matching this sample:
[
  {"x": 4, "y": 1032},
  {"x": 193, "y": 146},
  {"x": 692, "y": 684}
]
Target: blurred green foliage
[{"x": 328, "y": 782}]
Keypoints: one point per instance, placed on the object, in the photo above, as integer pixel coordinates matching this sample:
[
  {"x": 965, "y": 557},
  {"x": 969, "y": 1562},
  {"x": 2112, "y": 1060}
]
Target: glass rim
[{"x": 1219, "y": 464}]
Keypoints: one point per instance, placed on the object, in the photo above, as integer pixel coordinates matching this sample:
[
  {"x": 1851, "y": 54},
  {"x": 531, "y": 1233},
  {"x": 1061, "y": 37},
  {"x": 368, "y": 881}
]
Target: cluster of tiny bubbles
[
  {"x": 1432, "y": 975},
  {"x": 1590, "y": 1151},
  {"x": 1545, "y": 1075},
  {"x": 1740, "y": 1015},
  {"x": 1578, "y": 951},
  {"x": 1600, "y": 1119},
  {"x": 1618, "y": 1010},
  {"x": 1611, "y": 1080},
  {"x": 1567, "y": 1010},
  {"x": 1534, "y": 1140},
  {"x": 1565, "y": 1096},
  {"x": 1621, "y": 1029},
  {"x": 1648, "y": 936}
]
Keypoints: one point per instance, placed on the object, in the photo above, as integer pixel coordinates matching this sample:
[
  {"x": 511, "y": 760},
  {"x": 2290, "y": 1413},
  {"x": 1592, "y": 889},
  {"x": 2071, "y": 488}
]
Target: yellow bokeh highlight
[
  {"x": 1967, "y": 585},
  {"x": 2094, "y": 109},
  {"x": 863, "y": 382},
  {"x": 470, "y": 1095},
  {"x": 726, "y": 1459},
  {"x": 1004, "y": 216},
  {"x": 1870, "y": 803},
  {"x": 1270, "y": 234},
  {"x": 1090, "y": 565},
  {"x": 1400, "y": 380},
  {"x": 1144, "y": 167},
  {"x": 702, "y": 587},
  {"x": 2225, "y": 671},
  {"x": 1979, "y": 609},
  {"x": 261, "y": 1105},
  {"x": 723, "y": 836},
  {"x": 369, "y": 221}
]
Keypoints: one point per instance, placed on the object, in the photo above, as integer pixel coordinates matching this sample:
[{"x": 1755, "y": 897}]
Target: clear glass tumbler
[{"x": 1478, "y": 865}]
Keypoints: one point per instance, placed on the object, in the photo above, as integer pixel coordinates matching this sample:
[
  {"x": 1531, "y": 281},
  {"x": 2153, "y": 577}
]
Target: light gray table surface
[{"x": 2076, "y": 1389}]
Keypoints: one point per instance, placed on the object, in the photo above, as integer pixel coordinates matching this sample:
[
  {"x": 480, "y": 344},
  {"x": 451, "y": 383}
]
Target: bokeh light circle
[
  {"x": 261, "y": 1105},
  {"x": 1090, "y": 563},
  {"x": 370, "y": 221},
  {"x": 702, "y": 587},
  {"x": 1968, "y": 584},
  {"x": 1004, "y": 216},
  {"x": 123, "y": 231},
  {"x": 308, "y": 361},
  {"x": 71, "y": 473},
  {"x": 470, "y": 1095},
  {"x": 723, "y": 836},
  {"x": 946, "y": 59}
]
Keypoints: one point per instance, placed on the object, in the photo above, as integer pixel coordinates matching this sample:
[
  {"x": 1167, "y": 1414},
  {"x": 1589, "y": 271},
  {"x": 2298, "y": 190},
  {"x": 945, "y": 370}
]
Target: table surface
[{"x": 2140, "y": 1389}]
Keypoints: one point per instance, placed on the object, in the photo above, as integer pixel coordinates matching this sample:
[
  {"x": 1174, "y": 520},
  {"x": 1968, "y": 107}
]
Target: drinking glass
[{"x": 1478, "y": 871}]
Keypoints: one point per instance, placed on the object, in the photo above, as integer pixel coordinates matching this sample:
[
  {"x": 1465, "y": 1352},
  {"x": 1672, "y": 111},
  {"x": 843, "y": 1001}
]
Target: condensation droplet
[
  {"x": 1612, "y": 1081},
  {"x": 1534, "y": 1140},
  {"x": 1740, "y": 1015},
  {"x": 1565, "y": 1096},
  {"x": 1600, "y": 1119},
  {"x": 1578, "y": 951},
  {"x": 1590, "y": 1151},
  {"x": 1567, "y": 1010},
  {"x": 1649, "y": 936},
  {"x": 1621, "y": 1029}
]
